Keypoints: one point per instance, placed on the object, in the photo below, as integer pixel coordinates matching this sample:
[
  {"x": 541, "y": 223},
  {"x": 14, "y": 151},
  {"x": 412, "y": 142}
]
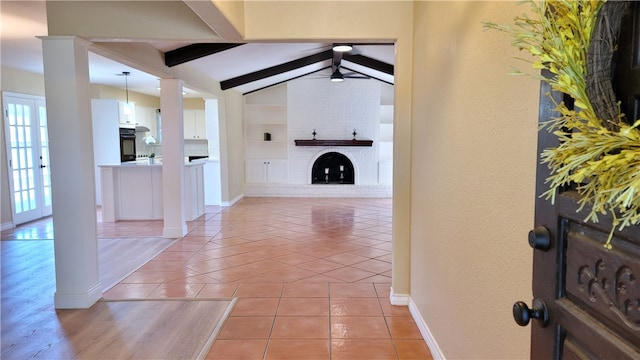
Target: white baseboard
[
  {"x": 7, "y": 226},
  {"x": 232, "y": 201},
  {"x": 78, "y": 301},
  {"x": 399, "y": 299},
  {"x": 174, "y": 233},
  {"x": 436, "y": 352},
  {"x": 309, "y": 190}
]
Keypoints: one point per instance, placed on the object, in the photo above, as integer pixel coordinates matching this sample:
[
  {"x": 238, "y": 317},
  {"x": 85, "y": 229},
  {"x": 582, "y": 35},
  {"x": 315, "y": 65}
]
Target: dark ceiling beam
[
  {"x": 370, "y": 63},
  {"x": 195, "y": 51},
  {"x": 287, "y": 80},
  {"x": 363, "y": 74},
  {"x": 275, "y": 70}
]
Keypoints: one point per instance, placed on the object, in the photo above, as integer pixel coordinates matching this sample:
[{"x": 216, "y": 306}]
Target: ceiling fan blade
[{"x": 355, "y": 75}]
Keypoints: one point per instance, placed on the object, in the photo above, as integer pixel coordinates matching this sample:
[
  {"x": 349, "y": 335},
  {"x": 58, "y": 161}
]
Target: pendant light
[{"x": 128, "y": 107}]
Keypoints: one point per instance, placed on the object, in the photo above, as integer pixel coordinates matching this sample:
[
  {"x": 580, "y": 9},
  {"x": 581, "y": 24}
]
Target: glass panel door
[
  {"x": 28, "y": 157},
  {"x": 44, "y": 158}
]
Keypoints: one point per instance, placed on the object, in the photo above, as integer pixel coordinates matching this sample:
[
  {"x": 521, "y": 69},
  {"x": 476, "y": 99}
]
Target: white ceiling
[{"x": 21, "y": 21}]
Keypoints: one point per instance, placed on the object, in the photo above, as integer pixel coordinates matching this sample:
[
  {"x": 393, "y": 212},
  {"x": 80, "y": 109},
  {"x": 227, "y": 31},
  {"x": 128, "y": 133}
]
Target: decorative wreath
[{"x": 598, "y": 151}]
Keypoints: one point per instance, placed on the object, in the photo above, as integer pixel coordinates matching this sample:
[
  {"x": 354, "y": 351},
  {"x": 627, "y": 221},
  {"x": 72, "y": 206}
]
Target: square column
[
  {"x": 175, "y": 224},
  {"x": 66, "y": 80}
]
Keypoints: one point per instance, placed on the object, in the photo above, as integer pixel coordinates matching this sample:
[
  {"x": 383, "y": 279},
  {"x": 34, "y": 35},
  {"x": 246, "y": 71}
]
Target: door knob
[
  {"x": 522, "y": 314},
  {"x": 540, "y": 238}
]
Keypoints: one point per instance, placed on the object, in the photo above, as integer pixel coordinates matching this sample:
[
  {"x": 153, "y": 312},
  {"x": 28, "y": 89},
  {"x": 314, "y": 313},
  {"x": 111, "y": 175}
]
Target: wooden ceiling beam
[
  {"x": 275, "y": 70},
  {"x": 195, "y": 51},
  {"x": 370, "y": 63}
]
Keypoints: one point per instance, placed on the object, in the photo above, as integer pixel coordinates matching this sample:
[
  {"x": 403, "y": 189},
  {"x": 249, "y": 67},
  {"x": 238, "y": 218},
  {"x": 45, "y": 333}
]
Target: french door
[{"x": 27, "y": 140}]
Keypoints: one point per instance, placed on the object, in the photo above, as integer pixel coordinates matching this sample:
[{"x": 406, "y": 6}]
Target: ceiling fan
[{"x": 336, "y": 74}]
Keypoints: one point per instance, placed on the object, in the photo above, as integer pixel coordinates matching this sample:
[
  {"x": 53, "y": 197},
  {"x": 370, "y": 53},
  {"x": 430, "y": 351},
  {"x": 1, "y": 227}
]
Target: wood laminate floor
[{"x": 311, "y": 278}]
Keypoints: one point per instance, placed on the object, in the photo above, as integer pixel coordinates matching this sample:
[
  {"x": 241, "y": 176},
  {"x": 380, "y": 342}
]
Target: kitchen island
[{"x": 133, "y": 191}]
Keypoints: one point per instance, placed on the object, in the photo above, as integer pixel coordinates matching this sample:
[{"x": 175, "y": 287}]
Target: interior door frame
[{"x": 39, "y": 157}]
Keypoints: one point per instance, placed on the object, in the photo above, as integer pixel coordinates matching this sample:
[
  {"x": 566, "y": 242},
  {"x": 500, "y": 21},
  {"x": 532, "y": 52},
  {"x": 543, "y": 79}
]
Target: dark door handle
[
  {"x": 540, "y": 238},
  {"x": 522, "y": 314},
  {"x": 42, "y": 166}
]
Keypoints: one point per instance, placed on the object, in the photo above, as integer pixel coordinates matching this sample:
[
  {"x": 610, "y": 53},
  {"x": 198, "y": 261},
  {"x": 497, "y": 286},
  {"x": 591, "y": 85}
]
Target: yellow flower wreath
[{"x": 603, "y": 160}]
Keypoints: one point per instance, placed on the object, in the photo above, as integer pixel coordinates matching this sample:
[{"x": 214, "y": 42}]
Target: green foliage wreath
[{"x": 598, "y": 151}]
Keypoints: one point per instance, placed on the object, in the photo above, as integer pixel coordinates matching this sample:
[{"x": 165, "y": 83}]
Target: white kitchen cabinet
[
  {"x": 194, "y": 192},
  {"x": 211, "y": 175},
  {"x": 274, "y": 171},
  {"x": 106, "y": 136},
  {"x": 146, "y": 116},
  {"x": 195, "y": 125},
  {"x": 134, "y": 191},
  {"x": 141, "y": 190}
]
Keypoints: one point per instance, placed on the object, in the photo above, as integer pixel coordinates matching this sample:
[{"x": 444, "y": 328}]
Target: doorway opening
[{"x": 27, "y": 142}]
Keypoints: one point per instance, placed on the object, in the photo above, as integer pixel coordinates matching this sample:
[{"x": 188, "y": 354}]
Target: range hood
[{"x": 140, "y": 128}]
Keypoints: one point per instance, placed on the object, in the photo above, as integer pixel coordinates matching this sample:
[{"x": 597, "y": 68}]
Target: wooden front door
[{"x": 586, "y": 298}]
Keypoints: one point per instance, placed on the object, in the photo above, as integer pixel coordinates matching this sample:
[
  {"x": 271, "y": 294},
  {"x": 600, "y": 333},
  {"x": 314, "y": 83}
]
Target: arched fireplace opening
[{"x": 332, "y": 168}]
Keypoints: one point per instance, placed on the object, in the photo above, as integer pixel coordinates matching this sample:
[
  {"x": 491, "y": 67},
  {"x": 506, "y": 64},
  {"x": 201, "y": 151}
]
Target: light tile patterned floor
[{"x": 312, "y": 277}]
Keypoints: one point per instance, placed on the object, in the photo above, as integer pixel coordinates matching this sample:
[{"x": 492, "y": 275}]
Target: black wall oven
[{"x": 127, "y": 144}]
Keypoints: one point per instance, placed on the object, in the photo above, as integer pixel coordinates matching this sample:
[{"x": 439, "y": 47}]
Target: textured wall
[{"x": 474, "y": 158}]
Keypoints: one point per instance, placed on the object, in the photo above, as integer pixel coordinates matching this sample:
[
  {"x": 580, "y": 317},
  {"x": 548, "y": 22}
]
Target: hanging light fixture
[{"x": 128, "y": 107}]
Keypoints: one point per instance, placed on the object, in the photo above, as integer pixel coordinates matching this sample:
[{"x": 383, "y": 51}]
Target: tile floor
[{"x": 312, "y": 277}]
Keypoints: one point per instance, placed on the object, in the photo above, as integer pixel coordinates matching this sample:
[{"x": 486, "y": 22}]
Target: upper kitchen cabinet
[
  {"x": 146, "y": 117},
  {"x": 195, "y": 126}
]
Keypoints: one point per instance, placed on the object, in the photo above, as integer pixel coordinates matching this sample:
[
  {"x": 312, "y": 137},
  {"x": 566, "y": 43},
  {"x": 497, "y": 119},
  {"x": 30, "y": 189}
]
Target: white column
[
  {"x": 175, "y": 225},
  {"x": 225, "y": 198},
  {"x": 66, "y": 80},
  {"x": 212, "y": 189}
]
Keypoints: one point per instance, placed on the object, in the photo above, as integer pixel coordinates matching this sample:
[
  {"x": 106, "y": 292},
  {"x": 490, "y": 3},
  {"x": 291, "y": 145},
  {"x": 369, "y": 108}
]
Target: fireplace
[{"x": 332, "y": 168}]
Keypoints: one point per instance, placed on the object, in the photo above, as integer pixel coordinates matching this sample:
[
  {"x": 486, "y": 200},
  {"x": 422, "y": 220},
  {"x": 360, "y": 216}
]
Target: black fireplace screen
[{"x": 332, "y": 168}]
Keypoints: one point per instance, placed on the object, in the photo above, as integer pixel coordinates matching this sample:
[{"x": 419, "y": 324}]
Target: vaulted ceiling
[
  {"x": 259, "y": 65},
  {"x": 244, "y": 67}
]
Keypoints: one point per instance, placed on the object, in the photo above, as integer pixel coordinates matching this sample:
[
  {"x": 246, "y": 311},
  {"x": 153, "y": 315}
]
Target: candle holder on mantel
[
  {"x": 314, "y": 134},
  {"x": 354, "y": 134},
  {"x": 341, "y": 174}
]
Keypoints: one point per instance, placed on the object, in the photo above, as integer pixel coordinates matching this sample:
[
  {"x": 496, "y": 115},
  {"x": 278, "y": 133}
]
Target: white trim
[
  {"x": 174, "y": 233},
  {"x": 78, "y": 301},
  {"x": 318, "y": 190},
  {"x": 399, "y": 299},
  {"x": 233, "y": 201},
  {"x": 428, "y": 337},
  {"x": 7, "y": 226},
  {"x": 214, "y": 334}
]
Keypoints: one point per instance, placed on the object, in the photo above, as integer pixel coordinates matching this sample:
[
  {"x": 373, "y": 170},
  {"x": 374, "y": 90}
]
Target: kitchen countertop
[{"x": 157, "y": 162}]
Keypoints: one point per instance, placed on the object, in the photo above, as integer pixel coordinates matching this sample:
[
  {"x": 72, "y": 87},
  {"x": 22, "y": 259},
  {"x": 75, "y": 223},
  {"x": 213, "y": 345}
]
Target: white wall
[{"x": 333, "y": 110}]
